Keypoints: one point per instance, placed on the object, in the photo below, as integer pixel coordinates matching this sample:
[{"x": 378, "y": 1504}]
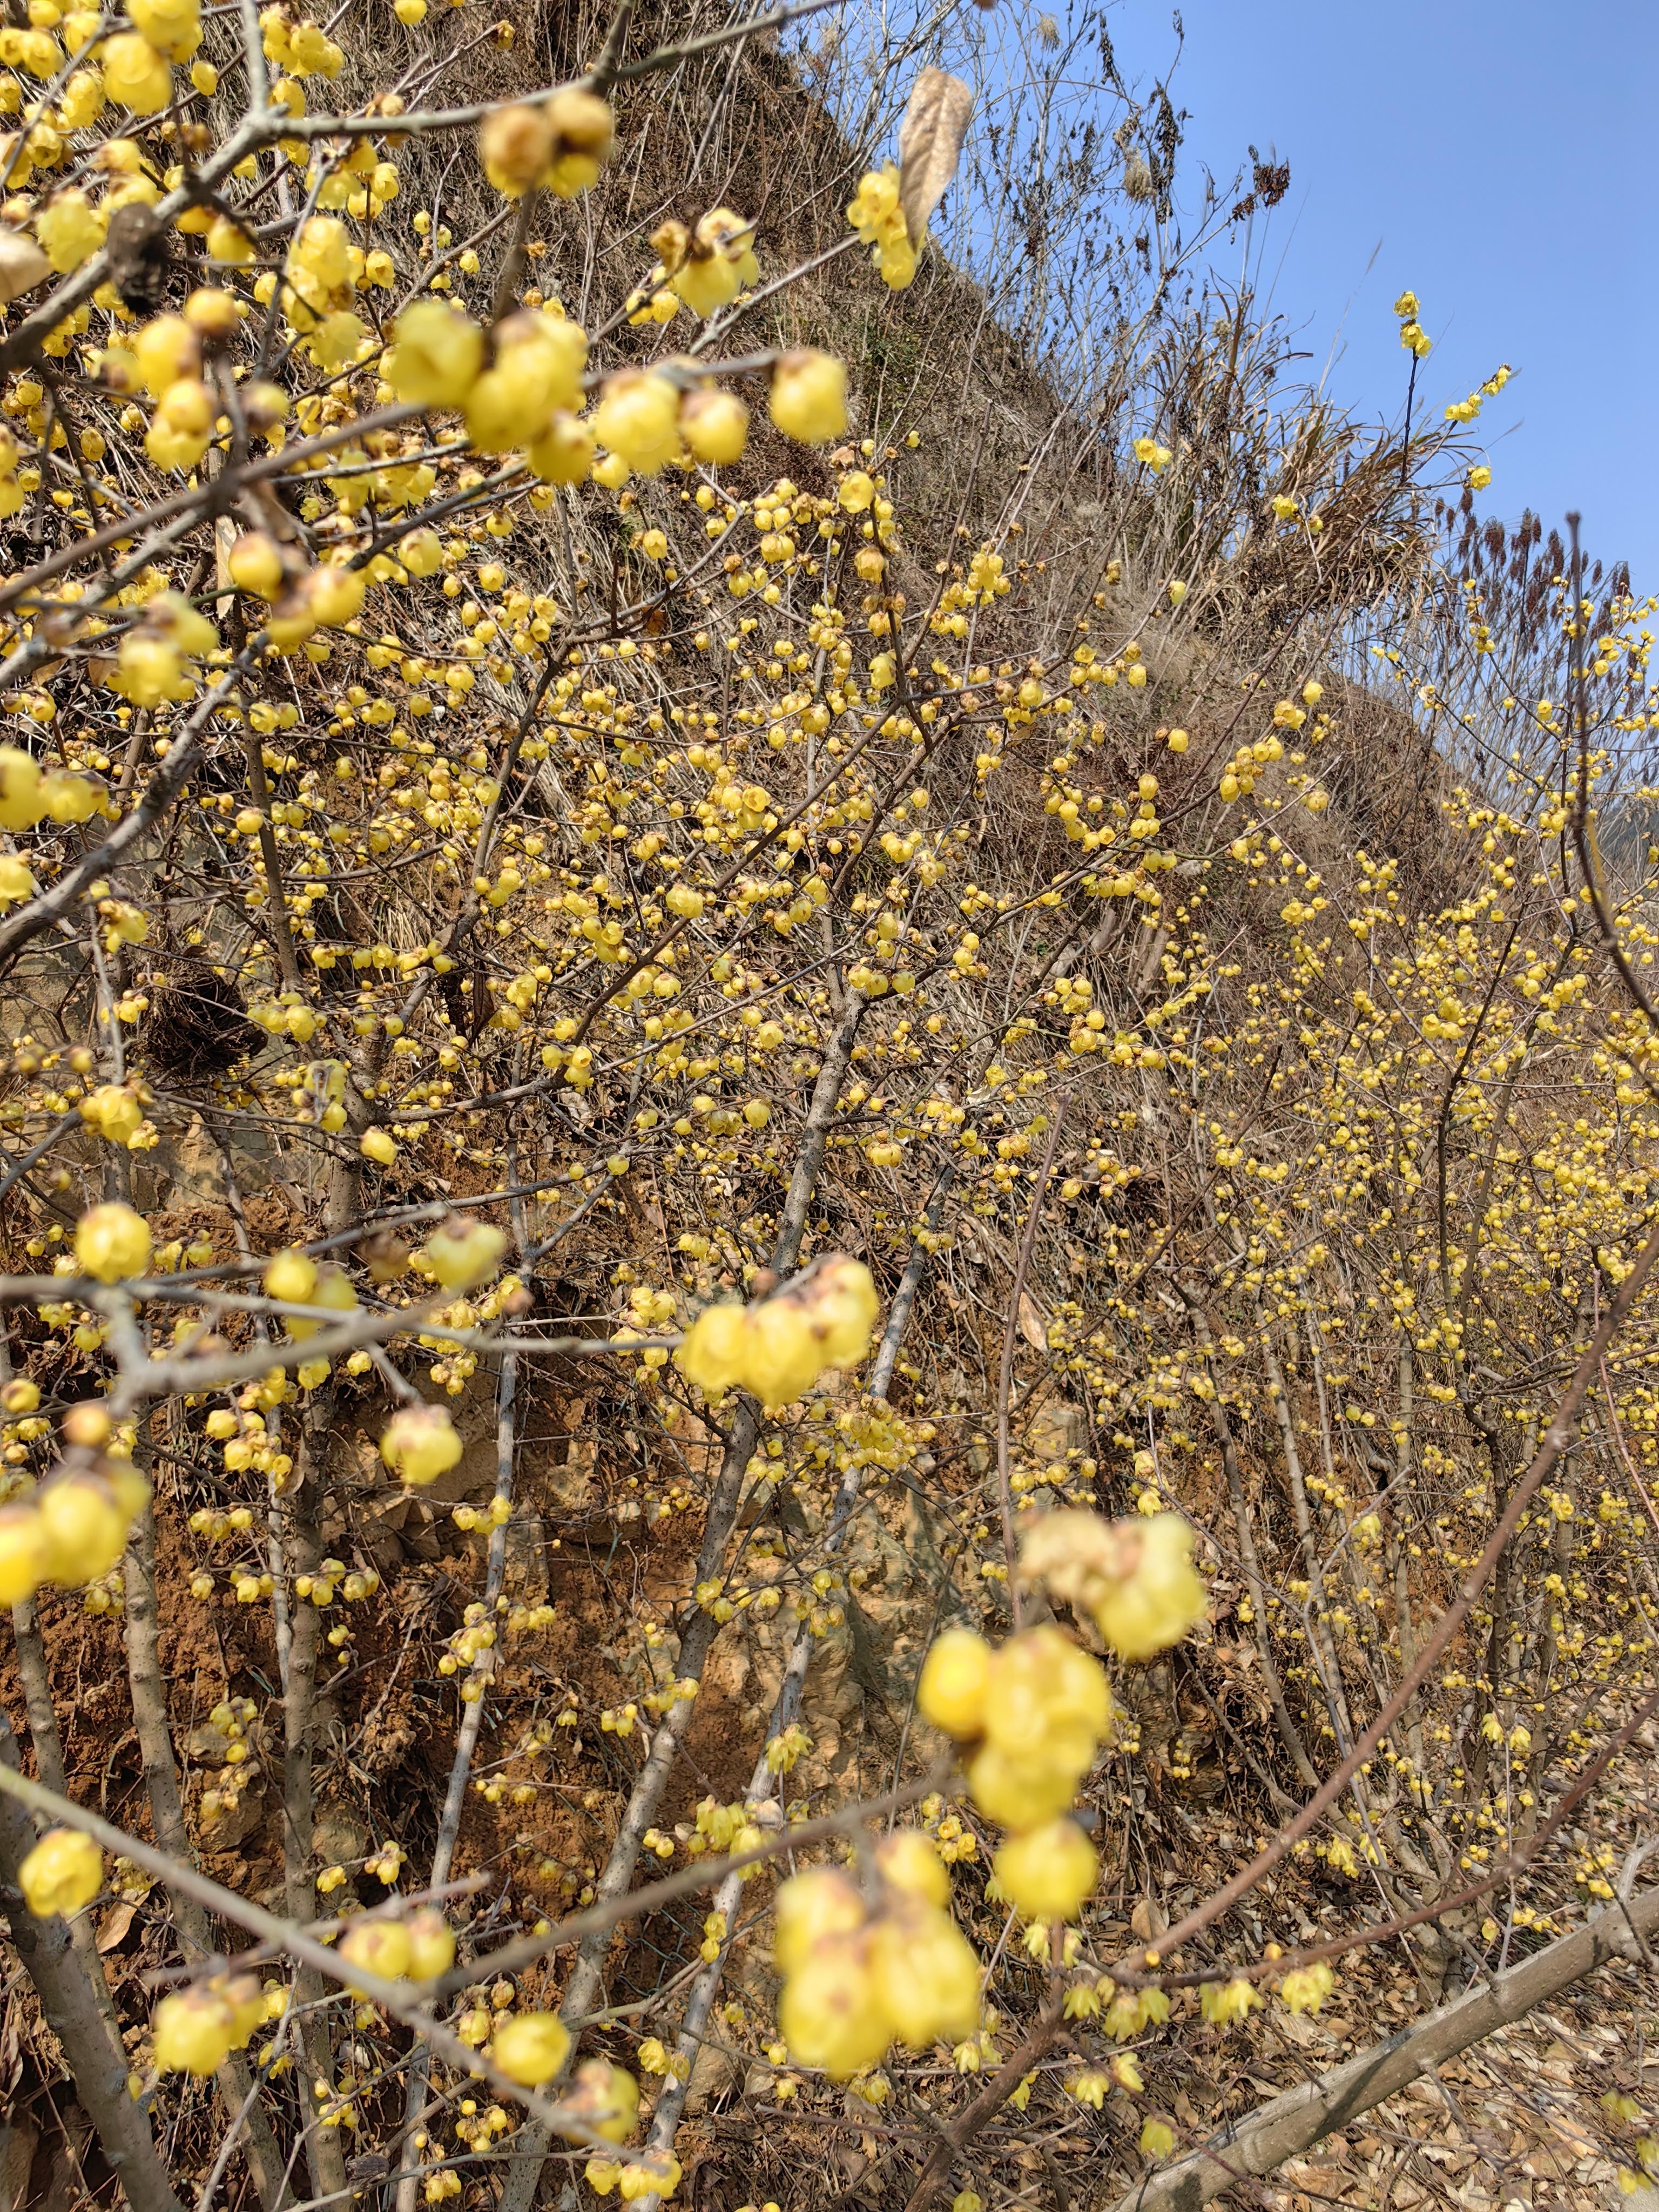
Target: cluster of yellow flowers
[
  {"x": 419, "y": 1444},
  {"x": 11, "y": 500},
  {"x": 1412, "y": 335},
  {"x": 418, "y": 1947},
  {"x": 116, "y": 1111},
  {"x": 599, "y": 2099},
  {"x": 1034, "y": 1713},
  {"x": 709, "y": 264},
  {"x": 651, "y": 771},
  {"x": 1305, "y": 1988},
  {"x": 70, "y": 1532},
  {"x": 522, "y": 390},
  {"x": 651, "y": 2174},
  {"x": 560, "y": 143},
  {"x": 1134, "y": 1578},
  {"x": 298, "y": 45},
  {"x": 1035, "y": 1710},
  {"x": 195, "y": 2030},
  {"x": 526, "y": 397},
  {"x": 779, "y": 1347},
  {"x": 26, "y": 795},
  {"x": 854, "y": 1978},
  {"x": 136, "y": 65},
  {"x": 877, "y": 216},
  {"x": 293, "y": 1278}
]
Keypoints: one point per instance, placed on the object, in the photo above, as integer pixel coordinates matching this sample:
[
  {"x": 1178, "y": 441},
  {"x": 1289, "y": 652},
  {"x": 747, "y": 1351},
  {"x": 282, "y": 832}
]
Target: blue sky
[{"x": 1500, "y": 154}]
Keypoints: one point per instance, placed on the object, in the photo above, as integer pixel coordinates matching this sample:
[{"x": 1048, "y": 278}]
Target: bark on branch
[{"x": 95, "y": 2059}]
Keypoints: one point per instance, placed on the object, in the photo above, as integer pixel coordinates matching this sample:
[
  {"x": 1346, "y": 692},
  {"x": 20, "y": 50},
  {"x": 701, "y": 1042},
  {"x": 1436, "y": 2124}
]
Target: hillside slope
[{"x": 1050, "y": 837}]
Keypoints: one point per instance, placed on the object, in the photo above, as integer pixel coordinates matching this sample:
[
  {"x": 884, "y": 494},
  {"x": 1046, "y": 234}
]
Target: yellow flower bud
[
  {"x": 20, "y": 803},
  {"x": 379, "y": 1947},
  {"x": 431, "y": 1945},
  {"x": 955, "y": 1677},
  {"x": 437, "y": 354},
  {"x": 463, "y": 1252},
  {"x": 909, "y": 1863},
  {"x": 714, "y": 426},
  {"x": 809, "y": 1909},
  {"x": 926, "y": 1976},
  {"x": 254, "y": 563},
  {"x": 638, "y": 419},
  {"x": 62, "y": 1874},
  {"x": 583, "y": 131},
  {"x": 88, "y": 1425},
  {"x": 85, "y": 1527},
  {"x": 113, "y": 1243},
  {"x": 68, "y": 230},
  {"x": 420, "y": 1444},
  {"x": 809, "y": 396},
  {"x": 516, "y": 146},
  {"x": 838, "y": 1297},
  {"x": 174, "y": 28},
  {"x": 783, "y": 1356},
  {"x": 532, "y": 2048},
  {"x": 1020, "y": 1792},
  {"x": 135, "y": 76},
  {"x": 421, "y": 552},
  {"x": 829, "y": 2012},
  {"x": 194, "y": 2031},
  {"x": 333, "y": 1290},
  {"x": 334, "y": 593},
  {"x": 1046, "y": 1873},
  {"x": 25, "y": 1553},
  {"x": 290, "y": 1279},
  {"x": 16, "y": 879},
  {"x": 563, "y": 453},
  {"x": 715, "y": 1351},
  {"x": 604, "y": 2098}
]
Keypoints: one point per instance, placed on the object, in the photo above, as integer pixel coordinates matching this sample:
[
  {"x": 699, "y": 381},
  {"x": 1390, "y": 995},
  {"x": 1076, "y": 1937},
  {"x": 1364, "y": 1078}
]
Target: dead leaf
[
  {"x": 930, "y": 145},
  {"x": 22, "y": 266},
  {"x": 1148, "y": 1920},
  {"x": 1032, "y": 1326},
  {"x": 116, "y": 1923},
  {"x": 1326, "y": 2179}
]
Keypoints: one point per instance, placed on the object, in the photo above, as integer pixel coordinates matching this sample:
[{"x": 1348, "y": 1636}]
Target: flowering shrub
[{"x": 680, "y": 1034}]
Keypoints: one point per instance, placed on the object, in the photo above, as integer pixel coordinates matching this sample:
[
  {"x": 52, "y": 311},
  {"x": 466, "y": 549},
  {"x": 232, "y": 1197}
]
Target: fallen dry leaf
[
  {"x": 1032, "y": 1326},
  {"x": 1149, "y": 1919},
  {"x": 114, "y": 1926}
]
